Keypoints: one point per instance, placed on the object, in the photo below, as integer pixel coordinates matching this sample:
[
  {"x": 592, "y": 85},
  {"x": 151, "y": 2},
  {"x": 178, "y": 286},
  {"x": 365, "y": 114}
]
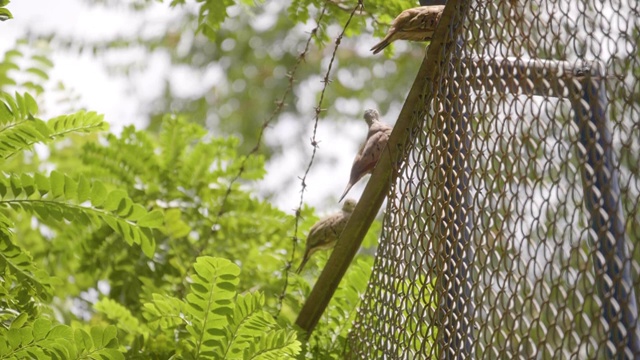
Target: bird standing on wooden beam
[
  {"x": 416, "y": 24},
  {"x": 370, "y": 152},
  {"x": 325, "y": 233}
]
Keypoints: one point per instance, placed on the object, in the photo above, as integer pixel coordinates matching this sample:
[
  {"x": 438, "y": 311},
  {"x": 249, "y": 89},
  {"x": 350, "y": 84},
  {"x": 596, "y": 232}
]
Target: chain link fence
[{"x": 512, "y": 229}]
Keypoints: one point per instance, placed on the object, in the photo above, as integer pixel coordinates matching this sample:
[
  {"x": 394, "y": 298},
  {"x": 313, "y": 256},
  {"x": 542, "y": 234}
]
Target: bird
[
  {"x": 415, "y": 24},
  {"x": 325, "y": 233},
  {"x": 370, "y": 151}
]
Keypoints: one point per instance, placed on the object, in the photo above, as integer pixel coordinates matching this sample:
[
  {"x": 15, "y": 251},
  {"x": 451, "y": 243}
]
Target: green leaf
[
  {"x": 153, "y": 220},
  {"x": 137, "y": 212},
  {"x": 41, "y": 328},
  {"x": 57, "y": 184},
  {"x": 70, "y": 188},
  {"x": 32, "y": 106},
  {"x": 6, "y": 115},
  {"x": 102, "y": 336},
  {"x": 83, "y": 340},
  {"x": 18, "y": 322},
  {"x": 41, "y": 74},
  {"x": 5, "y": 14},
  {"x": 147, "y": 243},
  {"x": 28, "y": 184},
  {"x": 3, "y": 186},
  {"x": 175, "y": 226},
  {"x": 113, "y": 200},
  {"x": 42, "y": 183},
  {"x": 61, "y": 332},
  {"x": 98, "y": 194},
  {"x": 84, "y": 189},
  {"x": 43, "y": 60},
  {"x": 16, "y": 185}
]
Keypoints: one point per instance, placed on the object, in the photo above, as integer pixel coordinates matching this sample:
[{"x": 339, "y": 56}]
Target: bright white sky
[
  {"x": 112, "y": 96},
  {"x": 85, "y": 74}
]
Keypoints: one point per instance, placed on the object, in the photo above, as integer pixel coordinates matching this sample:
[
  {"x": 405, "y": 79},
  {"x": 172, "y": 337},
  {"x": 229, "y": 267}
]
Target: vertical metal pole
[
  {"x": 612, "y": 261},
  {"x": 455, "y": 303}
]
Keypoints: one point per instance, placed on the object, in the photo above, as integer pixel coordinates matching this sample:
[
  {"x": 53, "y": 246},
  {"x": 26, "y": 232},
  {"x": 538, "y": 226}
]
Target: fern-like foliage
[
  {"x": 61, "y": 198},
  {"x": 44, "y": 340},
  {"x": 20, "y": 129},
  {"x": 17, "y": 265},
  {"x": 247, "y": 323},
  {"x": 219, "y": 323},
  {"x": 122, "y": 316},
  {"x": 185, "y": 172},
  {"x": 211, "y": 15},
  {"x": 164, "y": 312},
  {"x": 32, "y": 65},
  {"x": 123, "y": 238},
  {"x": 275, "y": 344},
  {"x": 213, "y": 288}
]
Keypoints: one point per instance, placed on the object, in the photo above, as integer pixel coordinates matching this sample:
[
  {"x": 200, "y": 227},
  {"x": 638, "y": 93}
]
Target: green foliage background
[{"x": 146, "y": 245}]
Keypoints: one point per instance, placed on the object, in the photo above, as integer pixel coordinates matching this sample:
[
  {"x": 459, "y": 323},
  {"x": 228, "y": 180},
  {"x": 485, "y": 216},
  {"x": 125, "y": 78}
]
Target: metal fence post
[
  {"x": 453, "y": 286},
  {"x": 612, "y": 261}
]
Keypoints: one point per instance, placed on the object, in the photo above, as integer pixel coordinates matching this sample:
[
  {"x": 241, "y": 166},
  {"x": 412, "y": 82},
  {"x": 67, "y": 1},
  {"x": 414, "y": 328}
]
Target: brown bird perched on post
[
  {"x": 370, "y": 152},
  {"x": 416, "y": 24},
  {"x": 325, "y": 233}
]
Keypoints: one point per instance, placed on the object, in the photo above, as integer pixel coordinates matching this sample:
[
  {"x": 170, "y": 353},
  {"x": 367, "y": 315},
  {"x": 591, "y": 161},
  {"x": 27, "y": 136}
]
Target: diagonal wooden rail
[{"x": 413, "y": 111}]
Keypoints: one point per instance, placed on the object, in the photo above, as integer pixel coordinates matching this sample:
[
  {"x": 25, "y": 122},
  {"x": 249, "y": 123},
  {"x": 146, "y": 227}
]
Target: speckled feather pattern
[
  {"x": 325, "y": 233},
  {"x": 416, "y": 24}
]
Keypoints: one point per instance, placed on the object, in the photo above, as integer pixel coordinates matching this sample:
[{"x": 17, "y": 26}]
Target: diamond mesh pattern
[{"x": 513, "y": 228}]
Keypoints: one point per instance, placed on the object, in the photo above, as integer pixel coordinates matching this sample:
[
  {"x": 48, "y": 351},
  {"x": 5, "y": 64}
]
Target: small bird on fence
[
  {"x": 370, "y": 152},
  {"x": 325, "y": 233},
  {"x": 416, "y": 24}
]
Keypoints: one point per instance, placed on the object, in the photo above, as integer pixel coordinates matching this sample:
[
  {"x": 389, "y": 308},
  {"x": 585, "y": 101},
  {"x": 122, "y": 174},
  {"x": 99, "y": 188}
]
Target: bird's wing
[
  {"x": 374, "y": 146},
  {"x": 423, "y": 20},
  {"x": 396, "y": 26},
  {"x": 361, "y": 167},
  {"x": 320, "y": 237},
  {"x": 403, "y": 20},
  {"x": 366, "y": 160},
  {"x": 356, "y": 172},
  {"x": 341, "y": 224},
  {"x": 378, "y": 126},
  {"x": 326, "y": 236},
  {"x": 368, "y": 156}
]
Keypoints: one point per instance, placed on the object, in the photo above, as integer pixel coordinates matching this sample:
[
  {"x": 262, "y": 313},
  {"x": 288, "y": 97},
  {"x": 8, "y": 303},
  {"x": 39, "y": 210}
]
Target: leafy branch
[
  {"x": 221, "y": 323},
  {"x": 60, "y": 198}
]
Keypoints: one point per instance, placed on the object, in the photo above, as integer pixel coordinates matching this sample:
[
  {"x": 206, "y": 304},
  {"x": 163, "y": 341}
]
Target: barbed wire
[
  {"x": 314, "y": 145},
  {"x": 280, "y": 103}
]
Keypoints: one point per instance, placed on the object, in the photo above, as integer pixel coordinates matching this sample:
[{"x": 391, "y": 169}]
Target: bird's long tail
[
  {"x": 380, "y": 46},
  {"x": 303, "y": 263},
  {"x": 349, "y": 186}
]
